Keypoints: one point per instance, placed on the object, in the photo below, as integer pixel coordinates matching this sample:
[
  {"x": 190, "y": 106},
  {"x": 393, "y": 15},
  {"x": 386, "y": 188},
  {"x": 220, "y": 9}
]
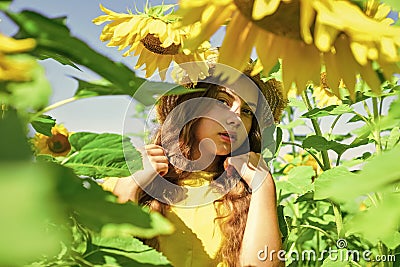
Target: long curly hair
[{"x": 232, "y": 208}]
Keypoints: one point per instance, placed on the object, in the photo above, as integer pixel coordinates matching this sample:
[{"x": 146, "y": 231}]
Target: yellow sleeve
[{"x": 109, "y": 183}]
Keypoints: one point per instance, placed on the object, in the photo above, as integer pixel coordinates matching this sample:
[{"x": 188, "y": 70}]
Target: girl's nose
[{"x": 233, "y": 119}]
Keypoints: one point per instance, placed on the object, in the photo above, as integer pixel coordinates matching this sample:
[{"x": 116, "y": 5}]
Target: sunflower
[
  {"x": 323, "y": 95},
  {"x": 306, "y": 34},
  {"x": 56, "y": 145},
  {"x": 153, "y": 37},
  {"x": 13, "y": 68}
]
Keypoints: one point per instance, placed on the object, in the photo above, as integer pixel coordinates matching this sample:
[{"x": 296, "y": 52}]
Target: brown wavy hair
[{"x": 232, "y": 208}]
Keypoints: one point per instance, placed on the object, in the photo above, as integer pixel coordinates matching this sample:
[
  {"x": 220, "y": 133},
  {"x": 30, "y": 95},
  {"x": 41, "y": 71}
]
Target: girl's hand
[
  {"x": 154, "y": 162},
  {"x": 250, "y": 166}
]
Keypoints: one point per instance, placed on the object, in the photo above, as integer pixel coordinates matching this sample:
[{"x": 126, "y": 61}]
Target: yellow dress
[{"x": 197, "y": 237}]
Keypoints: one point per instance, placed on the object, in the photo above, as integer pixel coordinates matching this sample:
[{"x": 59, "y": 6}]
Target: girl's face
[{"x": 228, "y": 122}]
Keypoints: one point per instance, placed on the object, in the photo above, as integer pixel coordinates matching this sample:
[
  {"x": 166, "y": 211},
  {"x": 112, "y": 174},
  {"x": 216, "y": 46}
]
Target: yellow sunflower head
[
  {"x": 153, "y": 37},
  {"x": 13, "y": 68},
  {"x": 307, "y": 35},
  {"x": 56, "y": 145}
]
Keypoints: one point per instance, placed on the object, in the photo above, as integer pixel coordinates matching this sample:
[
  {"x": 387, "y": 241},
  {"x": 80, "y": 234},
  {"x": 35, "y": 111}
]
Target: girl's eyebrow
[{"x": 249, "y": 104}]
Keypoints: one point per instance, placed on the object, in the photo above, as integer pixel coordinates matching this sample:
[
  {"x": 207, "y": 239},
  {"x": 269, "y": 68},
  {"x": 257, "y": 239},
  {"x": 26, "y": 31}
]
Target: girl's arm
[
  {"x": 262, "y": 238},
  {"x": 154, "y": 162},
  {"x": 261, "y": 243}
]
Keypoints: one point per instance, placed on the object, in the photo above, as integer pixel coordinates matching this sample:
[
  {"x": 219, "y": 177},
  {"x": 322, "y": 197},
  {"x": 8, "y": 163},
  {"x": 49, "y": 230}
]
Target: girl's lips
[{"x": 228, "y": 137}]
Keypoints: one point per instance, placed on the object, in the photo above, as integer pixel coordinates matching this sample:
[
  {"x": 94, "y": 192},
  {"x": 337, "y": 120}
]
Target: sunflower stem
[
  {"x": 377, "y": 130},
  {"x": 317, "y": 129},
  {"x": 53, "y": 106}
]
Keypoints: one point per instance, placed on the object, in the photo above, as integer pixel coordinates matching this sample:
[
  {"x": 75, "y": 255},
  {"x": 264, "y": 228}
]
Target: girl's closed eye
[
  {"x": 247, "y": 111},
  {"x": 224, "y": 101}
]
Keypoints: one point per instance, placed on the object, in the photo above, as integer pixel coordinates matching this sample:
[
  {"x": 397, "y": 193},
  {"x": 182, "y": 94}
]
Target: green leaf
[
  {"x": 43, "y": 124},
  {"x": 102, "y": 155},
  {"x": 98, "y": 211},
  {"x": 328, "y": 262},
  {"x": 31, "y": 214},
  {"x": 32, "y": 94},
  {"x": 393, "y": 139},
  {"x": 328, "y": 183},
  {"x": 13, "y": 141},
  {"x": 282, "y": 222},
  {"x": 4, "y": 4},
  {"x": 394, "y": 4},
  {"x": 298, "y": 180},
  {"x": 297, "y": 103},
  {"x": 327, "y": 111},
  {"x": 319, "y": 143},
  {"x": 379, "y": 173},
  {"x": 388, "y": 227},
  {"x": 54, "y": 38},
  {"x": 125, "y": 251}
]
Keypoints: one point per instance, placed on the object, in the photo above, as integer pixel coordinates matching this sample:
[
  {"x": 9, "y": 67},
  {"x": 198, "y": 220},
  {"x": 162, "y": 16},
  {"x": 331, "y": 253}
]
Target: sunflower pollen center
[{"x": 153, "y": 44}]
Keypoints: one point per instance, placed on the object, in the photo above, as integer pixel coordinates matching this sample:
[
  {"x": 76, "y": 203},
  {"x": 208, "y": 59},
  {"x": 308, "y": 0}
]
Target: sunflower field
[{"x": 337, "y": 146}]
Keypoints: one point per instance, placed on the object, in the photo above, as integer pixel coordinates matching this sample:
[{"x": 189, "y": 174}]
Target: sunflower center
[
  {"x": 284, "y": 22},
  {"x": 58, "y": 143},
  {"x": 153, "y": 44}
]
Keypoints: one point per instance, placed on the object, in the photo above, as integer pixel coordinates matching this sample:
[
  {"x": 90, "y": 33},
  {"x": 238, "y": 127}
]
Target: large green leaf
[
  {"x": 31, "y": 214},
  {"x": 54, "y": 38},
  {"x": 102, "y": 155},
  {"x": 298, "y": 180},
  {"x": 13, "y": 142},
  {"x": 386, "y": 214},
  {"x": 379, "y": 173},
  {"x": 124, "y": 251},
  {"x": 320, "y": 143},
  {"x": 97, "y": 210}
]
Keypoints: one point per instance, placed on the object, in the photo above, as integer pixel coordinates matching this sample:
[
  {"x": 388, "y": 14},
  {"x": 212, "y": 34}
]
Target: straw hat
[{"x": 271, "y": 89}]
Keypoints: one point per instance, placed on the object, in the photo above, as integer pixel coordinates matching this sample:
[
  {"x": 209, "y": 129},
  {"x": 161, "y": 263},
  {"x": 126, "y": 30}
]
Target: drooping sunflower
[
  {"x": 323, "y": 95},
  {"x": 306, "y": 34},
  {"x": 56, "y": 145},
  {"x": 152, "y": 36},
  {"x": 12, "y": 68}
]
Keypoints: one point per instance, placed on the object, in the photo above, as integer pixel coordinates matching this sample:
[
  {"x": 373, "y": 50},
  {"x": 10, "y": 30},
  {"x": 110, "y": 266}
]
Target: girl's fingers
[
  {"x": 162, "y": 168},
  {"x": 159, "y": 159}
]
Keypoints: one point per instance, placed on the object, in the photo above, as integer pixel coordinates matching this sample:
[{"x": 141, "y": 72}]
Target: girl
[{"x": 204, "y": 173}]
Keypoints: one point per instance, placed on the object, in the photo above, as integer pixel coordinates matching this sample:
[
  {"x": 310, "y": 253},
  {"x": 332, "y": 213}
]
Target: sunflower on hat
[
  {"x": 308, "y": 35},
  {"x": 152, "y": 36}
]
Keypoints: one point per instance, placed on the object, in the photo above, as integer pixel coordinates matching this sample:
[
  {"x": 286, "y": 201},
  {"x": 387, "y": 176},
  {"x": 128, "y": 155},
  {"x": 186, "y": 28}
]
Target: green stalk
[
  {"x": 291, "y": 133},
  {"x": 377, "y": 130},
  {"x": 327, "y": 166},
  {"x": 53, "y": 106},
  {"x": 3, "y": 110},
  {"x": 338, "y": 219},
  {"x": 317, "y": 129}
]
